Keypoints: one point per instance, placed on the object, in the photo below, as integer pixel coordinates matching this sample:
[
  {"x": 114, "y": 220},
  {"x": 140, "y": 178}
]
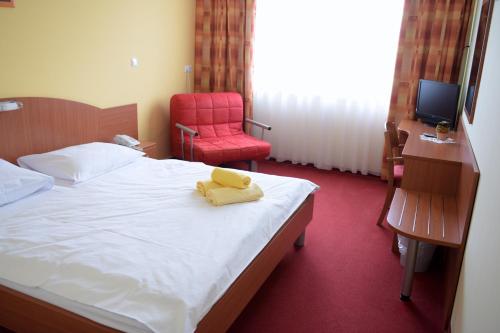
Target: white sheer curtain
[{"x": 323, "y": 75}]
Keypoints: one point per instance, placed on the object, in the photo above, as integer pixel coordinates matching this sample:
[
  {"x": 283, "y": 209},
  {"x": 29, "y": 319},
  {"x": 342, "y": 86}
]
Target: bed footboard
[
  {"x": 228, "y": 308},
  {"x": 299, "y": 242},
  {"x": 23, "y": 313}
]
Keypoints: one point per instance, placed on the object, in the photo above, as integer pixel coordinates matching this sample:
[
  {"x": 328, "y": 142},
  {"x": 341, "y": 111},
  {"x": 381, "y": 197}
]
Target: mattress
[{"x": 138, "y": 249}]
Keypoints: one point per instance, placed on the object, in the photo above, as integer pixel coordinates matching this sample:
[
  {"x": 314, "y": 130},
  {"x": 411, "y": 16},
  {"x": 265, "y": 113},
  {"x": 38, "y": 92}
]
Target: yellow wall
[{"x": 81, "y": 50}]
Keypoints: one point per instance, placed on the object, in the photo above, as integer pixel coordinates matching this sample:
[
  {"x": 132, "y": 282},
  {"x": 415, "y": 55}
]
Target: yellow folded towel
[
  {"x": 227, "y": 195},
  {"x": 204, "y": 186},
  {"x": 227, "y": 177}
]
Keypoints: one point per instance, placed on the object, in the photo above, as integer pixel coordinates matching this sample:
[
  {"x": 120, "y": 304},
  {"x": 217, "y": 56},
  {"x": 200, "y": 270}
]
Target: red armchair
[{"x": 208, "y": 127}]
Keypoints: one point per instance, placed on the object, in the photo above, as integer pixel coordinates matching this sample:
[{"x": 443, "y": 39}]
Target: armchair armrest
[
  {"x": 192, "y": 133},
  {"x": 256, "y": 123},
  {"x": 261, "y": 125}
]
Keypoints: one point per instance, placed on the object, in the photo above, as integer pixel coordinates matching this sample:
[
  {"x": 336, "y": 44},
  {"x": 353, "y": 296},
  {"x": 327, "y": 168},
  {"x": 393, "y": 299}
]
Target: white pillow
[
  {"x": 17, "y": 183},
  {"x": 82, "y": 162}
]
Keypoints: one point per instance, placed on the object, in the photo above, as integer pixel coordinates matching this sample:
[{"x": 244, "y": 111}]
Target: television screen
[{"x": 437, "y": 101}]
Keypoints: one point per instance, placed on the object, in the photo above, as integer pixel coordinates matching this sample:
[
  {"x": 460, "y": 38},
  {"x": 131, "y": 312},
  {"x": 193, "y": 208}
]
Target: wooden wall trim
[{"x": 466, "y": 196}]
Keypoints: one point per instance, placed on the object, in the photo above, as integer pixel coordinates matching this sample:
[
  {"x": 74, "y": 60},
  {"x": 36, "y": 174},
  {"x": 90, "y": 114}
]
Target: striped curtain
[
  {"x": 431, "y": 45},
  {"x": 224, "y": 47}
]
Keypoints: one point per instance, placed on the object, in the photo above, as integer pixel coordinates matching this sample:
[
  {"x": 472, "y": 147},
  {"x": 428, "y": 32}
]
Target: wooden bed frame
[{"x": 45, "y": 124}]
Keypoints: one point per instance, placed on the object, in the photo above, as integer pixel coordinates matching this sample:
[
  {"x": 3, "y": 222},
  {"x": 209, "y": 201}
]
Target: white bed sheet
[{"x": 139, "y": 248}]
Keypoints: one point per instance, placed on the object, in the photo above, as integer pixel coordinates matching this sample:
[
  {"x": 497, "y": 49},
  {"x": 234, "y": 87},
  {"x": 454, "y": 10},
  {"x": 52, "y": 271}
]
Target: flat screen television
[{"x": 437, "y": 101}]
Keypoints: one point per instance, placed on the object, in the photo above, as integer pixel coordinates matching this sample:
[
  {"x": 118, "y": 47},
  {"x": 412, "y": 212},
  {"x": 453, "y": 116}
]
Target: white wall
[{"x": 477, "y": 305}]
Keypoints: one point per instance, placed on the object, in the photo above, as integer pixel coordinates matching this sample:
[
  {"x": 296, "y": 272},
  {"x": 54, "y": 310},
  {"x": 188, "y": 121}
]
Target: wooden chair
[
  {"x": 394, "y": 145},
  {"x": 395, "y": 166}
]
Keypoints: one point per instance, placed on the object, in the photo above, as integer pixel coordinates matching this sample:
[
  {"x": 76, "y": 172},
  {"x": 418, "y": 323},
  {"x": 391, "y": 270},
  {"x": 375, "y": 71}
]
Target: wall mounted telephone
[{"x": 125, "y": 140}]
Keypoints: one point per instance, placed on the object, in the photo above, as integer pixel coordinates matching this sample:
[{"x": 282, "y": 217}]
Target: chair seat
[
  {"x": 219, "y": 150},
  {"x": 398, "y": 171}
]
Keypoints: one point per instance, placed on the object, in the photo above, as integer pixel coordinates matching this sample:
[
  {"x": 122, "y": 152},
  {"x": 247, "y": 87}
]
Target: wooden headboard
[{"x": 45, "y": 124}]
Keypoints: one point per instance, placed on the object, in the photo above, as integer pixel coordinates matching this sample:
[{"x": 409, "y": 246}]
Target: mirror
[{"x": 485, "y": 13}]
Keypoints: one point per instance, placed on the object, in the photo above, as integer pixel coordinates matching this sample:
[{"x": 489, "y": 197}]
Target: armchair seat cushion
[{"x": 231, "y": 148}]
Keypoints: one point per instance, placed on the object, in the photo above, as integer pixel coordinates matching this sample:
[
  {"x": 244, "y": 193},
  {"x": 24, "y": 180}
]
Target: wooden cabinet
[{"x": 149, "y": 148}]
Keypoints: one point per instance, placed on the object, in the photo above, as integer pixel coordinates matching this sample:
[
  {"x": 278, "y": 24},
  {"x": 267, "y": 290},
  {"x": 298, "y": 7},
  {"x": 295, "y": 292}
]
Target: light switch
[
  {"x": 134, "y": 62},
  {"x": 188, "y": 69}
]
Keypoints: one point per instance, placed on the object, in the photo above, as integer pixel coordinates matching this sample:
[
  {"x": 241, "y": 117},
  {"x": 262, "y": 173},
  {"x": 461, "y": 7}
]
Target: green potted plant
[{"x": 442, "y": 130}]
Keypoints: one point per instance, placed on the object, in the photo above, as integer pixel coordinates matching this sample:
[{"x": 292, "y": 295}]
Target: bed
[{"x": 111, "y": 254}]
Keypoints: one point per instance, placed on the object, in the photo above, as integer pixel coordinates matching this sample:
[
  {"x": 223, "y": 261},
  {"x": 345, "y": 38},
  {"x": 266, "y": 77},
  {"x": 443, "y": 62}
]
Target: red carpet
[{"x": 346, "y": 278}]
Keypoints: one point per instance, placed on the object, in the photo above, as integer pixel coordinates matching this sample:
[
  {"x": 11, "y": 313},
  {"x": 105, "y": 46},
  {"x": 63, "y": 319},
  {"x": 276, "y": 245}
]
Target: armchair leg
[{"x": 252, "y": 166}]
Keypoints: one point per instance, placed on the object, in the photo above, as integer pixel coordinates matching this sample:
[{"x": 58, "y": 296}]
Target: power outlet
[
  {"x": 188, "y": 69},
  {"x": 134, "y": 62}
]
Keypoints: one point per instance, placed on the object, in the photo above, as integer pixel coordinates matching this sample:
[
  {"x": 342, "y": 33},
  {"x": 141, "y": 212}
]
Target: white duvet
[{"x": 140, "y": 242}]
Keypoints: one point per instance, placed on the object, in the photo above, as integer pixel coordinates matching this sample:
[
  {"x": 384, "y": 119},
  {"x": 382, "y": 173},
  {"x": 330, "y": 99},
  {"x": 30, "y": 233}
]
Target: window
[{"x": 323, "y": 73}]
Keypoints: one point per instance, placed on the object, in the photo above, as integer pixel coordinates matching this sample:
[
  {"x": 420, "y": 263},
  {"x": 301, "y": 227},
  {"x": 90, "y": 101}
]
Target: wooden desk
[
  {"x": 427, "y": 150},
  {"x": 435, "y": 201},
  {"x": 429, "y": 166},
  {"x": 427, "y": 217}
]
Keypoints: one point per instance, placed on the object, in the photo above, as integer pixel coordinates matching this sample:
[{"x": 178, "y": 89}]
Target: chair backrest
[
  {"x": 393, "y": 147},
  {"x": 396, "y": 140},
  {"x": 211, "y": 114},
  {"x": 392, "y": 131},
  {"x": 389, "y": 151}
]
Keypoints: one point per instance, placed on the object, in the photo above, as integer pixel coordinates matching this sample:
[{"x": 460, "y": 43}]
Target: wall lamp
[{"x": 10, "y": 105}]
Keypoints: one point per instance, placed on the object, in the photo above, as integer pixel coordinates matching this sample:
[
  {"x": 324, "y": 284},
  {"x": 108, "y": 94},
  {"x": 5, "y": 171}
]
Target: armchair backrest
[{"x": 211, "y": 114}]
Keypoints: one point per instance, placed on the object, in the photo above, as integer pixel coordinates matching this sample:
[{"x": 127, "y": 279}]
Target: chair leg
[{"x": 387, "y": 204}]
